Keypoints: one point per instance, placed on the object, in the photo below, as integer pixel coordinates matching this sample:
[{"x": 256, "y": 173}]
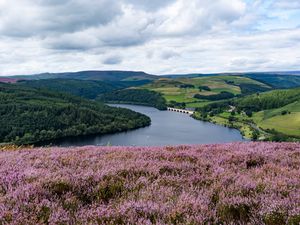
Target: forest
[
  {"x": 222, "y": 95},
  {"x": 83, "y": 88},
  {"x": 29, "y": 116},
  {"x": 136, "y": 96},
  {"x": 267, "y": 100}
]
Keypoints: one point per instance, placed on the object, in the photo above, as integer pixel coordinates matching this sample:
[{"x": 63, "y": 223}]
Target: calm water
[{"x": 167, "y": 128}]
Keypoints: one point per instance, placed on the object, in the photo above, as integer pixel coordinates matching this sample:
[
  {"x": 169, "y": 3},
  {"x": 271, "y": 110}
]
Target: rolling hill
[
  {"x": 84, "y": 88},
  {"x": 272, "y": 115},
  {"x": 284, "y": 119},
  {"x": 277, "y": 80},
  {"x": 29, "y": 115},
  {"x": 93, "y": 75},
  {"x": 184, "y": 90},
  {"x": 8, "y": 80}
]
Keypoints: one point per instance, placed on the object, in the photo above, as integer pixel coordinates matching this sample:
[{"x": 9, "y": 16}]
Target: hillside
[
  {"x": 93, "y": 75},
  {"x": 272, "y": 115},
  {"x": 241, "y": 183},
  {"x": 29, "y": 115},
  {"x": 268, "y": 100},
  {"x": 7, "y": 80},
  {"x": 83, "y": 88},
  {"x": 277, "y": 80},
  {"x": 135, "y": 96},
  {"x": 185, "y": 90},
  {"x": 285, "y": 119}
]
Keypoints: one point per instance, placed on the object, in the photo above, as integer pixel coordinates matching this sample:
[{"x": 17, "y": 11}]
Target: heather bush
[{"x": 241, "y": 183}]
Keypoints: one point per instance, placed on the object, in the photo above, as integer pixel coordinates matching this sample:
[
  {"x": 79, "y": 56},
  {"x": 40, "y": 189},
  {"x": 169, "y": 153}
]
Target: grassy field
[
  {"x": 222, "y": 119},
  {"x": 171, "y": 90},
  {"x": 273, "y": 119}
]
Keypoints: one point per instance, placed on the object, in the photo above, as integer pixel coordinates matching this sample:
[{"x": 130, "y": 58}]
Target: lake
[{"x": 167, "y": 128}]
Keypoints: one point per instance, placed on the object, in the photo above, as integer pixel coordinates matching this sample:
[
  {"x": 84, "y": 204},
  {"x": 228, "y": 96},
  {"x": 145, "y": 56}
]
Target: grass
[
  {"x": 244, "y": 128},
  {"x": 288, "y": 124},
  {"x": 273, "y": 119},
  {"x": 197, "y": 104},
  {"x": 170, "y": 88}
]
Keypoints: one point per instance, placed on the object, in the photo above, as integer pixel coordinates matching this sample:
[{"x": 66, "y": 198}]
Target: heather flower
[{"x": 238, "y": 183}]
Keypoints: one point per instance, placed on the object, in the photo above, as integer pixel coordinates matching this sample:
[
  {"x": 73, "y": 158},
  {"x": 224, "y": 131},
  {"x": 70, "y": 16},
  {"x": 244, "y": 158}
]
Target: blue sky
[{"x": 159, "y": 37}]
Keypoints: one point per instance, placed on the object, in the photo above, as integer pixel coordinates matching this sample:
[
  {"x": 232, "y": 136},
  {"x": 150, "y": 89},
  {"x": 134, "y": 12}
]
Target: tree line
[{"x": 136, "y": 96}]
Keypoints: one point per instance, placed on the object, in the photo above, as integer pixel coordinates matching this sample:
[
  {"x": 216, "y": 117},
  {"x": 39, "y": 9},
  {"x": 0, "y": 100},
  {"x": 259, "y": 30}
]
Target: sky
[{"x": 155, "y": 36}]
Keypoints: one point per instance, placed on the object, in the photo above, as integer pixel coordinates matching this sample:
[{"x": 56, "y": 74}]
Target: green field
[
  {"x": 171, "y": 90},
  {"x": 273, "y": 119}
]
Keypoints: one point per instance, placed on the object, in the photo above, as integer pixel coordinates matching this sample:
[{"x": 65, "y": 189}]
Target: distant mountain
[
  {"x": 190, "y": 75},
  {"x": 7, "y": 80},
  {"x": 92, "y": 75},
  {"x": 280, "y": 79},
  {"x": 194, "y": 75}
]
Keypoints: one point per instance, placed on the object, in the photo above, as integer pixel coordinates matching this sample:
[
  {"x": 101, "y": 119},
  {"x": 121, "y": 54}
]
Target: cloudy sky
[{"x": 156, "y": 36}]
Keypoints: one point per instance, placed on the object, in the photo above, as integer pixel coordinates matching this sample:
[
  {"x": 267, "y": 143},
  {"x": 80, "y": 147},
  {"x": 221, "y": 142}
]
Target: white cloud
[
  {"x": 199, "y": 16},
  {"x": 172, "y": 36}
]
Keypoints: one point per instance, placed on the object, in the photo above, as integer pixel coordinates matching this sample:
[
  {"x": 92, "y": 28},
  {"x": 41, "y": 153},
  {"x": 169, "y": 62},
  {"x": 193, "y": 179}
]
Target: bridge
[{"x": 181, "y": 111}]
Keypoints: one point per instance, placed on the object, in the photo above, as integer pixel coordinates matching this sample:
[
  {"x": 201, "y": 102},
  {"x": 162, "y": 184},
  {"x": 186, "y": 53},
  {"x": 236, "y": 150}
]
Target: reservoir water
[{"x": 167, "y": 128}]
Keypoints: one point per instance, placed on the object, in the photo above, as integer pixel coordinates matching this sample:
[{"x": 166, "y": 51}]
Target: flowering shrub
[{"x": 241, "y": 183}]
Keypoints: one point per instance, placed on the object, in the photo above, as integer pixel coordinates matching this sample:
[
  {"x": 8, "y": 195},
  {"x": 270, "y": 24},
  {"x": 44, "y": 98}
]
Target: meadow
[
  {"x": 171, "y": 90},
  {"x": 240, "y": 183},
  {"x": 288, "y": 123}
]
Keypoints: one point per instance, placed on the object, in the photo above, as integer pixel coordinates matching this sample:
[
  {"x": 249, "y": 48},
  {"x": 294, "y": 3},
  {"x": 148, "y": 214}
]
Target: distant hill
[
  {"x": 184, "y": 89},
  {"x": 8, "y": 80},
  {"x": 90, "y": 89},
  {"x": 136, "y": 96},
  {"x": 289, "y": 79},
  {"x": 92, "y": 75},
  {"x": 280, "y": 80}
]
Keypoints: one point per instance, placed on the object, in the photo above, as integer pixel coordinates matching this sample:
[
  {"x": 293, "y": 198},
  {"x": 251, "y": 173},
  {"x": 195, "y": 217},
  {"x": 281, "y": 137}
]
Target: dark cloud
[
  {"x": 112, "y": 60},
  {"x": 150, "y": 4},
  {"x": 168, "y": 54},
  {"x": 45, "y": 17}
]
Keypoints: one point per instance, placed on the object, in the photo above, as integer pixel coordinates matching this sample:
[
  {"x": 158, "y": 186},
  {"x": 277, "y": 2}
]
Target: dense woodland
[
  {"x": 90, "y": 89},
  {"x": 222, "y": 95},
  {"x": 267, "y": 100},
  {"x": 136, "y": 96},
  {"x": 254, "y": 103},
  {"x": 248, "y": 89},
  {"x": 30, "y": 115},
  {"x": 276, "y": 80},
  {"x": 82, "y": 88}
]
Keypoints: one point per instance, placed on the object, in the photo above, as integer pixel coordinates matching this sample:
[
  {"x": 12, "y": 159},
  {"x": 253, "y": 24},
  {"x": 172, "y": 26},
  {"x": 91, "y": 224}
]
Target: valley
[{"x": 255, "y": 105}]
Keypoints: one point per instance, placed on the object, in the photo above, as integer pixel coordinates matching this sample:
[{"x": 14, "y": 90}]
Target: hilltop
[{"x": 91, "y": 75}]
